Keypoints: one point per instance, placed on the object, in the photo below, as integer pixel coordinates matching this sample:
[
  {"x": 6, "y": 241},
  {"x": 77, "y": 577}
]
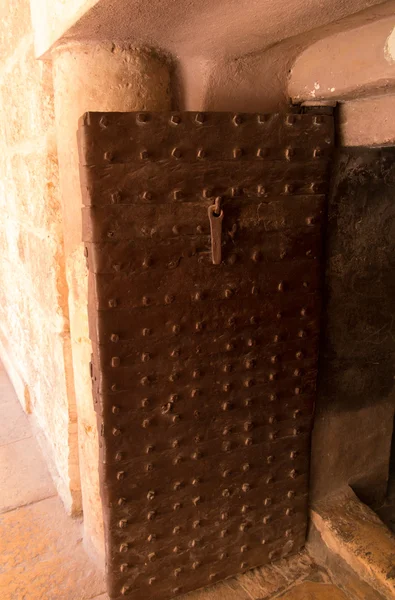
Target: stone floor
[{"x": 41, "y": 548}]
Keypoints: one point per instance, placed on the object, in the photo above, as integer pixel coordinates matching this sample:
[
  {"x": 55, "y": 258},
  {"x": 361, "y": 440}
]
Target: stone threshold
[{"x": 355, "y": 546}]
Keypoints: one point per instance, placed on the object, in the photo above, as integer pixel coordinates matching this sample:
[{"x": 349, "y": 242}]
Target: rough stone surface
[
  {"x": 357, "y": 62},
  {"x": 132, "y": 80},
  {"x": 368, "y": 121},
  {"x": 34, "y": 330},
  {"x": 356, "y": 388},
  {"x": 357, "y": 536},
  {"x": 313, "y": 591}
]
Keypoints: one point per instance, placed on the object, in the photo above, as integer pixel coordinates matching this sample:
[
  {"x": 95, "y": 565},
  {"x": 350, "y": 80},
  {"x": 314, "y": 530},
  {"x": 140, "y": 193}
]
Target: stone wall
[{"x": 34, "y": 330}]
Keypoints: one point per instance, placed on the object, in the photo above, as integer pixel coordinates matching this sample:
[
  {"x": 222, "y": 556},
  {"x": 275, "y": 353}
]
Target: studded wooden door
[{"x": 203, "y": 374}]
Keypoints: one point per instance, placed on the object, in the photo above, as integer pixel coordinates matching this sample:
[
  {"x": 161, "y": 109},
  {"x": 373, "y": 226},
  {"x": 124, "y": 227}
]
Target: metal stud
[
  {"x": 151, "y": 515},
  {"x": 317, "y": 152},
  {"x": 121, "y": 501},
  {"x": 116, "y": 431},
  {"x": 237, "y": 152},
  {"x": 175, "y": 120},
  {"x": 318, "y": 120},
  {"x": 176, "y": 153},
  {"x": 262, "y": 152},
  {"x": 237, "y": 120},
  {"x": 122, "y": 523},
  {"x": 290, "y": 119},
  {"x": 199, "y": 118},
  {"x": 121, "y": 475},
  {"x": 246, "y": 487},
  {"x": 112, "y": 303},
  {"x": 151, "y": 580},
  {"x": 123, "y": 567},
  {"x": 246, "y": 467},
  {"x": 144, "y": 154},
  {"x": 289, "y": 153},
  {"x": 293, "y": 474},
  {"x": 108, "y": 156},
  {"x": 196, "y": 524},
  {"x": 124, "y": 547},
  {"x": 177, "y": 194},
  {"x": 288, "y": 188},
  {"x": 151, "y": 495},
  {"x": 125, "y": 590},
  {"x": 116, "y": 197},
  {"x": 142, "y": 118},
  {"x": 200, "y": 153},
  {"x": 266, "y": 519}
]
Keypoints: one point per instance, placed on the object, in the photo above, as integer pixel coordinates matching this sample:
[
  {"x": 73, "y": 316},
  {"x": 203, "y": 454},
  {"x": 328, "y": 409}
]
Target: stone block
[
  {"x": 15, "y": 24},
  {"x": 27, "y": 108}
]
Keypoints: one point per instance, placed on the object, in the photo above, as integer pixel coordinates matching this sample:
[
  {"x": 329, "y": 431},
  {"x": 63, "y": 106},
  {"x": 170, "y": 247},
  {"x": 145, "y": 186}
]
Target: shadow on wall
[{"x": 356, "y": 396}]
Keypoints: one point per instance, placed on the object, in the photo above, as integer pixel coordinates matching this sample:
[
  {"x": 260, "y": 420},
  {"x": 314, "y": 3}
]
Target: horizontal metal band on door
[{"x": 203, "y": 375}]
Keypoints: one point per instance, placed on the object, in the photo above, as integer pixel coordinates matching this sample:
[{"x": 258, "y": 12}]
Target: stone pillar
[{"x": 92, "y": 77}]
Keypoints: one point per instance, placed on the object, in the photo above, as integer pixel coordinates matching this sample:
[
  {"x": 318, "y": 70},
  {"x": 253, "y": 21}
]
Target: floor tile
[
  {"x": 14, "y": 424},
  {"x": 43, "y": 556},
  {"x": 7, "y": 392},
  {"x": 24, "y": 475}
]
